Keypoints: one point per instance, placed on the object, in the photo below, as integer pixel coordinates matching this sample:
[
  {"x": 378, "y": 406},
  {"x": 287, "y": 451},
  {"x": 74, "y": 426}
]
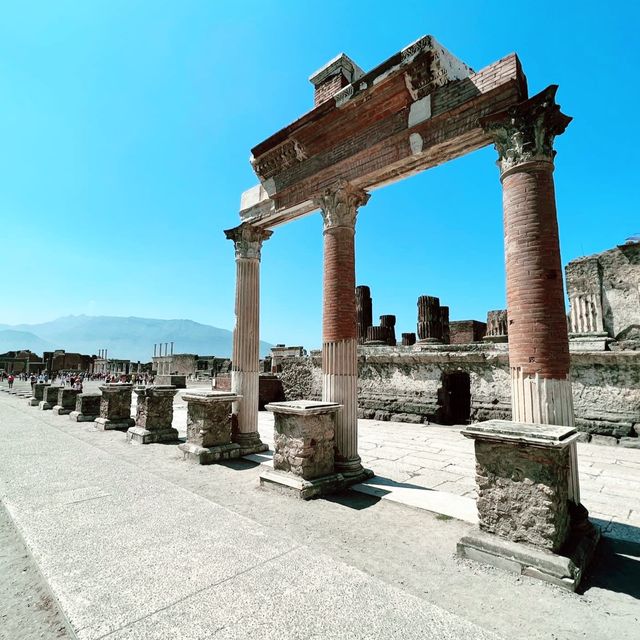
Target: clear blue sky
[{"x": 125, "y": 131}]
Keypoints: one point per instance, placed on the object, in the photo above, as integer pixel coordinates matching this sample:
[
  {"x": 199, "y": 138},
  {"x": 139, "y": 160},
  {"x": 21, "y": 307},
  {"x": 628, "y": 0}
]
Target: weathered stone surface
[
  {"x": 37, "y": 390},
  {"x": 154, "y": 415},
  {"x": 429, "y": 319},
  {"x": 50, "y": 397},
  {"x": 497, "y": 326},
  {"x": 66, "y": 401},
  {"x": 389, "y": 321},
  {"x": 378, "y": 335},
  {"x": 408, "y": 339},
  {"x": 523, "y": 493},
  {"x": 304, "y": 444},
  {"x": 364, "y": 312},
  {"x": 87, "y": 407},
  {"x": 209, "y": 427},
  {"x": 604, "y": 440},
  {"x": 115, "y": 407}
]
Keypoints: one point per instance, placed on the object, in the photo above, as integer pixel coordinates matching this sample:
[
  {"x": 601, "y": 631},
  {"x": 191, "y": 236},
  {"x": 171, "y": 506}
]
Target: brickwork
[
  {"x": 329, "y": 88},
  {"x": 538, "y": 337},
  {"x": 466, "y": 331}
]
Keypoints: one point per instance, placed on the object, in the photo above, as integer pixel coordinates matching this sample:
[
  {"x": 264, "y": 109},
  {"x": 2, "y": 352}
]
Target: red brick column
[
  {"x": 245, "y": 376},
  {"x": 339, "y": 207},
  {"x": 538, "y": 336}
]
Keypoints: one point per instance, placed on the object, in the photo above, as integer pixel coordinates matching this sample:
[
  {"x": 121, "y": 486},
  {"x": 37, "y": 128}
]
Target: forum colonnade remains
[{"x": 420, "y": 108}]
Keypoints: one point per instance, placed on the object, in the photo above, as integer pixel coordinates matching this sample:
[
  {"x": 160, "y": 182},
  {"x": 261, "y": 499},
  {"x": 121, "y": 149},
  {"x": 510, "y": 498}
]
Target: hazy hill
[
  {"x": 129, "y": 338},
  {"x": 12, "y": 340}
]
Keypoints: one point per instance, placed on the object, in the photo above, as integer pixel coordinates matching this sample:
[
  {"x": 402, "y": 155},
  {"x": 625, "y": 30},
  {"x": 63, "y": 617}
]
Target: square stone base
[
  {"x": 33, "y": 402},
  {"x": 104, "y": 424},
  {"x": 140, "y": 435},
  {"x": 564, "y": 570},
  {"x": 299, "y": 487},
  {"x": 209, "y": 455},
  {"x": 43, "y": 405},
  {"x": 61, "y": 411},
  {"x": 76, "y": 416}
]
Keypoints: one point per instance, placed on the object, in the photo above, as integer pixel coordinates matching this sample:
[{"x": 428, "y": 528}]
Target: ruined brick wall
[
  {"x": 329, "y": 88},
  {"x": 406, "y": 386},
  {"x": 466, "y": 331}
]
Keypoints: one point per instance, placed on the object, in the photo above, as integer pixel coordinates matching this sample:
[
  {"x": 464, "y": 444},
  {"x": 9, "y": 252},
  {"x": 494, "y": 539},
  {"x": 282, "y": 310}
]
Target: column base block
[
  {"x": 249, "y": 443},
  {"x": 564, "y": 570},
  {"x": 299, "y": 487},
  {"x": 33, "y": 402},
  {"x": 45, "y": 406},
  {"x": 210, "y": 455},
  {"x": 76, "y": 416},
  {"x": 104, "y": 424},
  {"x": 61, "y": 411},
  {"x": 139, "y": 435},
  {"x": 352, "y": 471}
]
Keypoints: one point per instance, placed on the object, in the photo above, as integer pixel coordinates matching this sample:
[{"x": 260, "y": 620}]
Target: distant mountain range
[{"x": 126, "y": 338}]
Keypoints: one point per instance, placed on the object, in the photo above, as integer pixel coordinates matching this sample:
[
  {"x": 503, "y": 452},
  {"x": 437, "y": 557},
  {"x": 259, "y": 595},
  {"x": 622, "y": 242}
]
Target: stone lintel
[
  {"x": 564, "y": 570},
  {"x": 303, "y": 407},
  {"x": 521, "y": 433},
  {"x": 209, "y": 397}
]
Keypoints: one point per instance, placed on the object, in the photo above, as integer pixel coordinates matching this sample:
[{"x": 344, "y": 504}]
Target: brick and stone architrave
[
  {"x": 339, "y": 206},
  {"x": 247, "y": 240},
  {"x": 538, "y": 338}
]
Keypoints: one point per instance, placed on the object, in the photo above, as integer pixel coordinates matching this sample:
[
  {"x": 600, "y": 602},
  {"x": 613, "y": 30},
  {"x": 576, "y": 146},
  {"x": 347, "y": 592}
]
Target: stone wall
[
  {"x": 409, "y": 384},
  {"x": 612, "y": 278}
]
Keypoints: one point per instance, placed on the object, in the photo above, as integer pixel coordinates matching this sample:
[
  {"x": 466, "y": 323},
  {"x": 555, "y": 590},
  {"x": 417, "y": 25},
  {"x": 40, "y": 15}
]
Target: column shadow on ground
[{"x": 616, "y": 563}]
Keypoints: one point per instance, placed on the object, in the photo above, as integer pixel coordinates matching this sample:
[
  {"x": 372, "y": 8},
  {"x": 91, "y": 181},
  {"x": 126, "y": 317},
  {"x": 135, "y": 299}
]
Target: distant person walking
[{"x": 10, "y": 380}]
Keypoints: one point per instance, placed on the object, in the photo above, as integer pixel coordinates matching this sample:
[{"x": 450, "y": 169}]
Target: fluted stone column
[
  {"x": 364, "y": 312},
  {"x": 538, "y": 337},
  {"x": 429, "y": 319},
  {"x": 245, "y": 373},
  {"x": 339, "y": 206}
]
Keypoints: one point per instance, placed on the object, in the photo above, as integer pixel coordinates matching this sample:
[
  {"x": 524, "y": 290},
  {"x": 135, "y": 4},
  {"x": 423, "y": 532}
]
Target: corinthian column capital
[
  {"x": 525, "y": 132},
  {"x": 339, "y": 204},
  {"x": 248, "y": 240}
]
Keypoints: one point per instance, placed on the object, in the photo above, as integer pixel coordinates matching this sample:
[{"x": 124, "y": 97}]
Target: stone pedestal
[
  {"x": 209, "y": 427},
  {"x": 303, "y": 461},
  {"x": 87, "y": 407},
  {"x": 154, "y": 415},
  {"x": 49, "y": 397},
  {"x": 38, "y": 393},
  {"x": 115, "y": 407},
  {"x": 66, "y": 401},
  {"x": 588, "y": 341},
  {"x": 527, "y": 522},
  {"x": 408, "y": 339}
]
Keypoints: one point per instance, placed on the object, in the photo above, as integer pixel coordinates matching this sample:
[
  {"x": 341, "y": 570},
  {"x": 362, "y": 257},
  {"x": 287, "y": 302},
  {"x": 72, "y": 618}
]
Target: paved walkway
[{"x": 137, "y": 544}]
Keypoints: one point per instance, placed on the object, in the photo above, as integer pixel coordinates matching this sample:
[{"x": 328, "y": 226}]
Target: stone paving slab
[{"x": 130, "y": 555}]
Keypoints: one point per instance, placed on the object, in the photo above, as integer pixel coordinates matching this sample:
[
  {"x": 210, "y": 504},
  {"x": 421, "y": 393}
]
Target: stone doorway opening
[{"x": 455, "y": 398}]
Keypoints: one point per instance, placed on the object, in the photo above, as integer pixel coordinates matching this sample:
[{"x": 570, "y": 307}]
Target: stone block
[
  {"x": 304, "y": 443},
  {"x": 38, "y": 393},
  {"x": 630, "y": 443},
  {"x": 177, "y": 381},
  {"x": 50, "y": 397},
  {"x": 154, "y": 415},
  {"x": 87, "y": 407},
  {"x": 66, "y": 401},
  {"x": 607, "y": 441},
  {"x": 115, "y": 407},
  {"x": 209, "y": 427}
]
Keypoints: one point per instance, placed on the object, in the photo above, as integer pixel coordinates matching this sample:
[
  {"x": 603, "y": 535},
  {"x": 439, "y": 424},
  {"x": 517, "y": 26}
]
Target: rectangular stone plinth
[
  {"x": 50, "y": 398},
  {"x": 522, "y": 473},
  {"x": 304, "y": 437},
  {"x": 154, "y": 415},
  {"x": 209, "y": 427},
  {"x": 115, "y": 407},
  {"x": 564, "y": 569},
  {"x": 87, "y": 407},
  {"x": 38, "y": 393},
  {"x": 177, "y": 381},
  {"x": 66, "y": 401},
  {"x": 298, "y": 487}
]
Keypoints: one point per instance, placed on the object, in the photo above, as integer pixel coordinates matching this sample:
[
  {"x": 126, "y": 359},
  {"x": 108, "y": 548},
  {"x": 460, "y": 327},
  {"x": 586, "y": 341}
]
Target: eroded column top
[
  {"x": 339, "y": 204},
  {"x": 248, "y": 240}
]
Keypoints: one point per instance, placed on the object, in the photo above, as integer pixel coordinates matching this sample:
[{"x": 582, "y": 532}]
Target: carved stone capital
[
  {"x": 248, "y": 240},
  {"x": 339, "y": 205},
  {"x": 525, "y": 132}
]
